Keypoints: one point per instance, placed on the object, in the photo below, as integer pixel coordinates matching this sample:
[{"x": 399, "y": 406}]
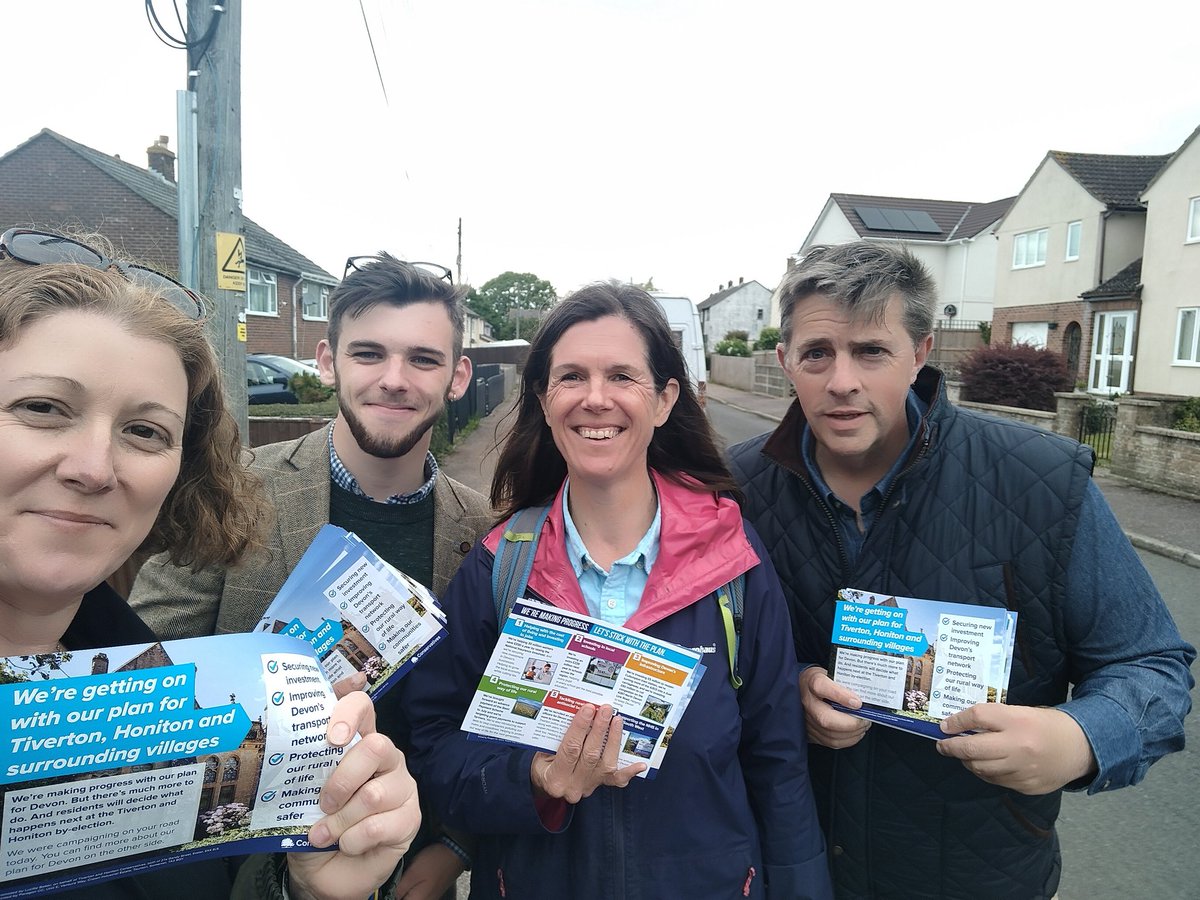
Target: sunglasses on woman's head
[{"x": 39, "y": 248}]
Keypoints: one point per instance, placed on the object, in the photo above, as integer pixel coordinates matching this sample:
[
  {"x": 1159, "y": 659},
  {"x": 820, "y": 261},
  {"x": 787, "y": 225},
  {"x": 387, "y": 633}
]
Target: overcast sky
[{"x": 690, "y": 141}]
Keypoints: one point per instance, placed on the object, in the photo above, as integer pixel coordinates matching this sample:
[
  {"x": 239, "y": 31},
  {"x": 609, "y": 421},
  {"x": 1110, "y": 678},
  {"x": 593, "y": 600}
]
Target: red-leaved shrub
[{"x": 1014, "y": 375}]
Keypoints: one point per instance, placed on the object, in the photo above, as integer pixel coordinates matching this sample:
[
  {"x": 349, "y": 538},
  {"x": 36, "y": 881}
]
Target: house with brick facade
[
  {"x": 52, "y": 182},
  {"x": 1070, "y": 267},
  {"x": 951, "y": 237}
]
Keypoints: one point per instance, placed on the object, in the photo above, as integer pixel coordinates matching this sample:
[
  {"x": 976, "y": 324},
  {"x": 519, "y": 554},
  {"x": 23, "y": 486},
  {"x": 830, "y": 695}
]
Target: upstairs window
[
  {"x": 1194, "y": 220},
  {"x": 316, "y": 300},
  {"x": 1187, "y": 338},
  {"x": 261, "y": 295},
  {"x": 1074, "y": 231},
  {"x": 1029, "y": 249}
]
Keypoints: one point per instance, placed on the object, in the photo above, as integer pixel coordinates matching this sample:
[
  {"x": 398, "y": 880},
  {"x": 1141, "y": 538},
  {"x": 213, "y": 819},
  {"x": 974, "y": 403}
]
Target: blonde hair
[{"x": 214, "y": 511}]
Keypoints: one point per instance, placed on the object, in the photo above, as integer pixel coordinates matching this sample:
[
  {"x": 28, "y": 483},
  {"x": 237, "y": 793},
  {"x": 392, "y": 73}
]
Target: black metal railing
[
  {"x": 1097, "y": 425},
  {"x": 485, "y": 392}
]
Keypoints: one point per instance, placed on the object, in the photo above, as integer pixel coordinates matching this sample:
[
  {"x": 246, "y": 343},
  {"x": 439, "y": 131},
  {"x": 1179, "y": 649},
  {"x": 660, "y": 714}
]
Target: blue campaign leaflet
[
  {"x": 914, "y": 662},
  {"x": 358, "y": 613},
  {"x": 123, "y": 759}
]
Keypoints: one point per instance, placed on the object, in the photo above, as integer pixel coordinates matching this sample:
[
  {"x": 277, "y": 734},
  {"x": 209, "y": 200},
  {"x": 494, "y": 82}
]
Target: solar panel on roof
[
  {"x": 923, "y": 222},
  {"x": 898, "y": 219},
  {"x": 872, "y": 217},
  {"x": 887, "y": 219}
]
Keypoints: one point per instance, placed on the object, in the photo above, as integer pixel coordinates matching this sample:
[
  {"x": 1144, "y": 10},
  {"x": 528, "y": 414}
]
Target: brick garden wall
[{"x": 1151, "y": 455}]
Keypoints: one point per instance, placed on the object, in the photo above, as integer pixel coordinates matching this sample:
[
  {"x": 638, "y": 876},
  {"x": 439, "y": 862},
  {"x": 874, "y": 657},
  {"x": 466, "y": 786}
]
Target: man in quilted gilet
[{"x": 874, "y": 481}]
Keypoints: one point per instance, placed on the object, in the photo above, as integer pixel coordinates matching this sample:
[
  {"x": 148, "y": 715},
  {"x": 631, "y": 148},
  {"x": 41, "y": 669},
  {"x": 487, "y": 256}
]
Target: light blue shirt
[{"x": 615, "y": 595}]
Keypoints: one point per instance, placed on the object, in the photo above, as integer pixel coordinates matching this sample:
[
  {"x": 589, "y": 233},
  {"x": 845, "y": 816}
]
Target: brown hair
[
  {"x": 393, "y": 282},
  {"x": 531, "y": 469},
  {"x": 213, "y": 512}
]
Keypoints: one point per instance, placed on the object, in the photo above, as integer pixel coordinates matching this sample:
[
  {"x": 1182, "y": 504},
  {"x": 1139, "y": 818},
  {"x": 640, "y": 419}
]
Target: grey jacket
[{"x": 178, "y": 603}]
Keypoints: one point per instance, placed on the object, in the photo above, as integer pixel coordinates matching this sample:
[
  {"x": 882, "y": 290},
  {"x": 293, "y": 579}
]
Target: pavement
[{"x": 1153, "y": 521}]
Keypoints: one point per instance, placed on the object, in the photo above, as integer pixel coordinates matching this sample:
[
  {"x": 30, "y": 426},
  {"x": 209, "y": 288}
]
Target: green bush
[
  {"x": 985, "y": 332},
  {"x": 1014, "y": 375},
  {"x": 1187, "y": 415},
  {"x": 738, "y": 335},
  {"x": 768, "y": 338},
  {"x": 308, "y": 388},
  {"x": 732, "y": 347}
]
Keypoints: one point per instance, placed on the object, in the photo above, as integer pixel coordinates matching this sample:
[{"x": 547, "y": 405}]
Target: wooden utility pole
[{"x": 215, "y": 70}]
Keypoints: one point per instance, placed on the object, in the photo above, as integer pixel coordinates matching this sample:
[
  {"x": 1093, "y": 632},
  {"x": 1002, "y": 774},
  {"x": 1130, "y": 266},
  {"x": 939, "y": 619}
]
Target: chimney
[
  {"x": 100, "y": 664},
  {"x": 161, "y": 160},
  {"x": 741, "y": 280},
  {"x": 728, "y": 286}
]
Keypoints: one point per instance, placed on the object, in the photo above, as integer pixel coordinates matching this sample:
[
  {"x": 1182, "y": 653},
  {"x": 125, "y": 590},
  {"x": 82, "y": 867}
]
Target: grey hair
[{"x": 861, "y": 276}]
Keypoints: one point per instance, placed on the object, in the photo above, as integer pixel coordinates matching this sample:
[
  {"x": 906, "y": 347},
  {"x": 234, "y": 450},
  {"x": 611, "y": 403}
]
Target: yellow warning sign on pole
[{"x": 231, "y": 262}]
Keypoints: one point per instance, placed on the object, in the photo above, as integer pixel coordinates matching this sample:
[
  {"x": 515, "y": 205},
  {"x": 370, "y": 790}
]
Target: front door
[{"x": 1112, "y": 352}]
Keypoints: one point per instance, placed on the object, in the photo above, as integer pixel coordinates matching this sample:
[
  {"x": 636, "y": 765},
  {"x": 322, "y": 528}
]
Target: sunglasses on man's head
[
  {"x": 356, "y": 264},
  {"x": 39, "y": 248}
]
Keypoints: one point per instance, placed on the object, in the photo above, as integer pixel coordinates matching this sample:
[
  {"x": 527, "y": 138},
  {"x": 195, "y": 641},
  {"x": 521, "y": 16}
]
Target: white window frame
[
  {"x": 322, "y": 303},
  {"x": 1032, "y": 334},
  {"x": 1075, "y": 228},
  {"x": 1103, "y": 356},
  {"x": 1194, "y": 358},
  {"x": 262, "y": 279},
  {"x": 1193, "y": 232},
  {"x": 1023, "y": 257}
]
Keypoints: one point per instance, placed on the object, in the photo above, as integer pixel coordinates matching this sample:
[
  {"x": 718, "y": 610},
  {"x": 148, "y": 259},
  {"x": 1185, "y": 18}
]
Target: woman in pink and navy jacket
[{"x": 641, "y": 531}]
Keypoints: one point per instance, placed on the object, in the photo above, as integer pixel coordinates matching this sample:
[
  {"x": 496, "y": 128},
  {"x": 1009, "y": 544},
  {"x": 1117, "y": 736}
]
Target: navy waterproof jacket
[{"x": 730, "y": 813}]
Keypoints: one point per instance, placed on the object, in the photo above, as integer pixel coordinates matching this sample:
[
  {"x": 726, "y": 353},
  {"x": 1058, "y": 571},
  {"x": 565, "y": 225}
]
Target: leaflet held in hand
[
  {"x": 914, "y": 662},
  {"x": 358, "y": 612},
  {"x": 548, "y": 663},
  {"x": 124, "y": 759}
]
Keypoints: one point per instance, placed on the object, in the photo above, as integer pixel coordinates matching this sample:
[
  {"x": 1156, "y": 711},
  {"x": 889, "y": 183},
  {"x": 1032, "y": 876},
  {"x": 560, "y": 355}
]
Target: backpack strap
[
  {"x": 514, "y": 558},
  {"x": 732, "y": 600}
]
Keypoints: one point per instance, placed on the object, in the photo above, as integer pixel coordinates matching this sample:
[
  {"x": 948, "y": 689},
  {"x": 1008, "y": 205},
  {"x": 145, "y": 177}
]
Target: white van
[{"x": 684, "y": 319}]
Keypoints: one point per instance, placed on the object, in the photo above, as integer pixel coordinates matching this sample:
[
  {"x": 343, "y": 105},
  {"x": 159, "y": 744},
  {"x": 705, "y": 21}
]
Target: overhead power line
[{"x": 374, "y": 55}]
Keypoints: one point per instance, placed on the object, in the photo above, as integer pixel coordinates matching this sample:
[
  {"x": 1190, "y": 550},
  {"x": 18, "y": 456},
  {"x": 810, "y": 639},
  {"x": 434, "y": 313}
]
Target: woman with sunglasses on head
[
  {"x": 638, "y": 528},
  {"x": 117, "y": 438}
]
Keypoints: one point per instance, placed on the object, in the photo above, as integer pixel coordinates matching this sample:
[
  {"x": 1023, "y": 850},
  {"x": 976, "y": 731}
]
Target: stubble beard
[{"x": 383, "y": 446}]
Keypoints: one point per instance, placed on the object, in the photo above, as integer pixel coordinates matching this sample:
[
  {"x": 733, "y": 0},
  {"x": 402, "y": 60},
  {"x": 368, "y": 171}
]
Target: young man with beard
[
  {"x": 874, "y": 481},
  {"x": 393, "y": 352}
]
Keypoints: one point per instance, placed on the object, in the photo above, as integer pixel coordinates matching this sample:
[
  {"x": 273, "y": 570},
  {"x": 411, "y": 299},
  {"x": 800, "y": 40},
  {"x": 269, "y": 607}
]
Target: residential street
[{"x": 1137, "y": 842}]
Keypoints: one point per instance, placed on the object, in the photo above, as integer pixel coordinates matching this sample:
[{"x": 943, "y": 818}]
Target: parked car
[{"x": 267, "y": 377}]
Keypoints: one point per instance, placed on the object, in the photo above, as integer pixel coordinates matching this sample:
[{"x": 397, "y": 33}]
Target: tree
[
  {"x": 25, "y": 668},
  {"x": 522, "y": 291}
]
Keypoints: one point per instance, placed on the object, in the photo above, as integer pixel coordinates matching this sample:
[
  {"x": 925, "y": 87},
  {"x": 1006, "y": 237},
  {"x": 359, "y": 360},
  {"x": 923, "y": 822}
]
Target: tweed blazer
[{"x": 178, "y": 603}]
